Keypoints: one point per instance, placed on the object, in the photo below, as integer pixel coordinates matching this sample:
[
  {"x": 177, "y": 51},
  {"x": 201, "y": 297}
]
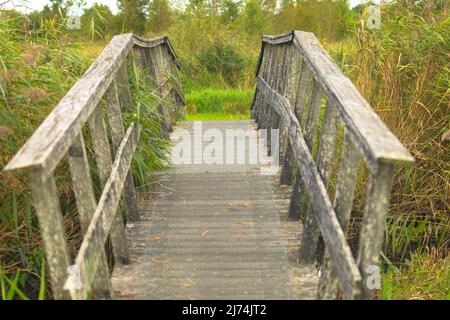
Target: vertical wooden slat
[
  {"x": 343, "y": 203},
  {"x": 103, "y": 158},
  {"x": 312, "y": 116},
  {"x": 303, "y": 84},
  {"x": 156, "y": 58},
  {"x": 48, "y": 210},
  {"x": 373, "y": 224},
  {"x": 298, "y": 189},
  {"x": 86, "y": 205},
  {"x": 278, "y": 84},
  {"x": 139, "y": 57},
  {"x": 257, "y": 98},
  {"x": 124, "y": 87},
  {"x": 269, "y": 74},
  {"x": 117, "y": 133},
  {"x": 291, "y": 93},
  {"x": 324, "y": 161}
]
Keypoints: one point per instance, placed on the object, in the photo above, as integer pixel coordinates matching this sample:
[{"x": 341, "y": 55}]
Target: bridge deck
[{"x": 215, "y": 232}]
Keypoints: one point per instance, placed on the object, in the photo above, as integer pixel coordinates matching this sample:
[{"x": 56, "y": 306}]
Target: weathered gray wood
[
  {"x": 160, "y": 78},
  {"x": 343, "y": 203},
  {"x": 86, "y": 205},
  {"x": 312, "y": 117},
  {"x": 302, "y": 90},
  {"x": 279, "y": 39},
  {"x": 117, "y": 133},
  {"x": 164, "y": 40},
  {"x": 371, "y": 135},
  {"x": 298, "y": 189},
  {"x": 139, "y": 58},
  {"x": 124, "y": 87},
  {"x": 327, "y": 143},
  {"x": 104, "y": 163},
  {"x": 334, "y": 238},
  {"x": 88, "y": 257},
  {"x": 48, "y": 210},
  {"x": 227, "y": 239},
  {"x": 373, "y": 224},
  {"x": 51, "y": 141},
  {"x": 287, "y": 168}
]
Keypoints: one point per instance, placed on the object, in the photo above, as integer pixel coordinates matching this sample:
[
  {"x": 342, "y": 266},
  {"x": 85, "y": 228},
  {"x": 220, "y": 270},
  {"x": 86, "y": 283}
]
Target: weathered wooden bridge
[{"x": 217, "y": 229}]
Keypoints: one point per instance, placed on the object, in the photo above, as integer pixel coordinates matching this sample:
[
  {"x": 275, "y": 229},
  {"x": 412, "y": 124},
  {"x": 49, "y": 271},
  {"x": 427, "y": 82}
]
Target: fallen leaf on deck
[
  {"x": 240, "y": 222},
  {"x": 205, "y": 233}
]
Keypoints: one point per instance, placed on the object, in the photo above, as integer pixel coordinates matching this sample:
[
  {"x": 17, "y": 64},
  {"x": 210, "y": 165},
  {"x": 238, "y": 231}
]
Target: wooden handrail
[
  {"x": 51, "y": 141},
  {"x": 61, "y": 134},
  {"x": 294, "y": 75}
]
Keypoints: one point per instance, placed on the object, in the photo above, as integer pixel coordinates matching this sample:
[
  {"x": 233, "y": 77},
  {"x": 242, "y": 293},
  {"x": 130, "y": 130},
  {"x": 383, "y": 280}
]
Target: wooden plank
[
  {"x": 373, "y": 224},
  {"x": 117, "y": 133},
  {"x": 164, "y": 40},
  {"x": 48, "y": 210},
  {"x": 312, "y": 117},
  {"x": 104, "y": 163},
  {"x": 343, "y": 203},
  {"x": 334, "y": 238},
  {"x": 302, "y": 91},
  {"x": 287, "y": 168},
  {"x": 86, "y": 205},
  {"x": 87, "y": 259},
  {"x": 51, "y": 141},
  {"x": 243, "y": 254},
  {"x": 160, "y": 78},
  {"x": 298, "y": 189},
  {"x": 278, "y": 39},
  {"x": 327, "y": 143},
  {"x": 124, "y": 87},
  {"x": 373, "y": 138}
]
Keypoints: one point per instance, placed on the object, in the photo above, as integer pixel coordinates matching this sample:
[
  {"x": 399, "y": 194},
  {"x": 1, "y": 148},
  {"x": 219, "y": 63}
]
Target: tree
[
  {"x": 160, "y": 16},
  {"x": 132, "y": 15},
  {"x": 229, "y": 11},
  {"x": 253, "y": 18}
]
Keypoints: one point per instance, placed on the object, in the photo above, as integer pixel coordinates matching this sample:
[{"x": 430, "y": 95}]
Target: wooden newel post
[
  {"x": 48, "y": 210},
  {"x": 373, "y": 226}
]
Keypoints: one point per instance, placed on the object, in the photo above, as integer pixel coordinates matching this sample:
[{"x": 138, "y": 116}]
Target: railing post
[
  {"x": 373, "y": 226},
  {"x": 298, "y": 188},
  {"x": 328, "y": 133},
  {"x": 103, "y": 157},
  {"x": 86, "y": 205},
  {"x": 343, "y": 203},
  {"x": 160, "y": 77},
  {"x": 117, "y": 133},
  {"x": 124, "y": 87},
  {"x": 48, "y": 210},
  {"x": 291, "y": 92}
]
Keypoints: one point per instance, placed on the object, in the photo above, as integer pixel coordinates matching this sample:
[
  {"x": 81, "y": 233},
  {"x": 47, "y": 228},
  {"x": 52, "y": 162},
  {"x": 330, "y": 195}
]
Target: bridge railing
[
  {"x": 61, "y": 134},
  {"x": 296, "y": 78}
]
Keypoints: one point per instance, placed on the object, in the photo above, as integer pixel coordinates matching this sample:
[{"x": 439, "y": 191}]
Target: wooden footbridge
[{"x": 216, "y": 229}]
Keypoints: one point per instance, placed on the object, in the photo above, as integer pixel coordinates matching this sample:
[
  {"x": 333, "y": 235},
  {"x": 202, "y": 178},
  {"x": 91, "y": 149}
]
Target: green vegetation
[
  {"x": 402, "y": 69},
  {"x": 219, "y": 101}
]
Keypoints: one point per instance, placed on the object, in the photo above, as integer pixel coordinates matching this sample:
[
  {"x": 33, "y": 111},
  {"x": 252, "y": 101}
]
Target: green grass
[
  {"x": 424, "y": 276},
  {"x": 232, "y": 103},
  {"x": 217, "y": 116}
]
